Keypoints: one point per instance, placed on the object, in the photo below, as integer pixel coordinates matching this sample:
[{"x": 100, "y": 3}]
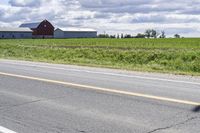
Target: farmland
[{"x": 177, "y": 56}]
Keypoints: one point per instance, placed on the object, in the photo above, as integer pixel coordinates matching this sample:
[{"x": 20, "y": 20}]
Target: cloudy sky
[{"x": 110, "y": 16}]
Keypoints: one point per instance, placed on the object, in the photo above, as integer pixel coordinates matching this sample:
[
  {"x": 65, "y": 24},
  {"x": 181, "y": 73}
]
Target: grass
[{"x": 178, "y": 56}]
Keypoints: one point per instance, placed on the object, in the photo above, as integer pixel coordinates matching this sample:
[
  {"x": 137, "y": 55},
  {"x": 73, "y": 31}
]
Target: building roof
[
  {"x": 77, "y": 29},
  {"x": 30, "y": 25},
  {"x": 9, "y": 29}
]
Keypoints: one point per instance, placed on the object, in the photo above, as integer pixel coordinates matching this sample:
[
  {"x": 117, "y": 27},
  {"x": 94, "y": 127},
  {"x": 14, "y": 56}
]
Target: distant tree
[
  {"x": 127, "y": 36},
  {"x": 122, "y": 35},
  {"x": 103, "y": 36},
  {"x": 118, "y": 36},
  {"x": 140, "y": 35},
  {"x": 112, "y": 36},
  {"x": 177, "y": 36},
  {"x": 151, "y": 33},
  {"x": 154, "y": 33},
  {"x": 162, "y": 34},
  {"x": 148, "y": 33}
]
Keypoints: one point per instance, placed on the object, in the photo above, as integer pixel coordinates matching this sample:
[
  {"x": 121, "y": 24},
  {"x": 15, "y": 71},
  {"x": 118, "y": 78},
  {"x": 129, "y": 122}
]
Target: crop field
[{"x": 177, "y": 56}]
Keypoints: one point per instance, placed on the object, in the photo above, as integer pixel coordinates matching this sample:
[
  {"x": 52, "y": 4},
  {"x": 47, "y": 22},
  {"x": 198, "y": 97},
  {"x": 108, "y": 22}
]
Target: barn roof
[
  {"x": 73, "y": 29},
  {"x": 9, "y": 29},
  {"x": 30, "y": 25}
]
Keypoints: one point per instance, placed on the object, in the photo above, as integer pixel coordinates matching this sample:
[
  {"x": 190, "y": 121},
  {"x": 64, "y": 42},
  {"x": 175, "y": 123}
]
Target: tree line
[{"x": 149, "y": 33}]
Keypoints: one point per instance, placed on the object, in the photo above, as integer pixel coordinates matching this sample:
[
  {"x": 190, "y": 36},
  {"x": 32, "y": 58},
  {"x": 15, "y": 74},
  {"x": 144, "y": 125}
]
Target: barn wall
[
  {"x": 58, "y": 34},
  {"x": 42, "y": 36},
  {"x": 44, "y": 30},
  {"x": 71, "y": 34},
  {"x": 80, "y": 34},
  {"x": 17, "y": 35}
]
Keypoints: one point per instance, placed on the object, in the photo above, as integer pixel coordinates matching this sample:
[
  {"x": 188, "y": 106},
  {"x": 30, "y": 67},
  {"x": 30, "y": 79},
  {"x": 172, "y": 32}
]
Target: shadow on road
[{"x": 196, "y": 109}]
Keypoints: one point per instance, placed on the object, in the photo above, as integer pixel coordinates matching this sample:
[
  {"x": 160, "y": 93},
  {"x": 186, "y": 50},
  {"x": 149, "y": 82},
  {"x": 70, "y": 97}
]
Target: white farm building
[
  {"x": 12, "y": 33},
  {"x": 75, "y": 33}
]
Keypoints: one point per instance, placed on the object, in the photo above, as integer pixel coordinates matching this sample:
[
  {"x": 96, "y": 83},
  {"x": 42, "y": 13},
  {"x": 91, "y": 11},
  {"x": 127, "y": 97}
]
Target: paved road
[{"x": 47, "y": 98}]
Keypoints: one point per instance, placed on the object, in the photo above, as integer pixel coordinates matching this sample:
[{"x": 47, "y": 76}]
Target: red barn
[{"x": 42, "y": 29}]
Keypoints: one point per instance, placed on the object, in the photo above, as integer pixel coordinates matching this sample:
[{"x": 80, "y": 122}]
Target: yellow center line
[{"x": 105, "y": 89}]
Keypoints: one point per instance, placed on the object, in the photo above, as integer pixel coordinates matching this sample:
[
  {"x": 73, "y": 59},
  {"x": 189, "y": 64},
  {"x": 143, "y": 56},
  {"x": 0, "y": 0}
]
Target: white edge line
[
  {"x": 104, "y": 73},
  {"x": 6, "y": 130}
]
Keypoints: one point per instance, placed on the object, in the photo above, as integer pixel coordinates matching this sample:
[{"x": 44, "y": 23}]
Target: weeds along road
[{"x": 40, "y": 97}]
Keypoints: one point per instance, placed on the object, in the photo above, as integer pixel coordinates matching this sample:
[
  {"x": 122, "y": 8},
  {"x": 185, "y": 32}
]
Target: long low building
[
  {"x": 75, "y": 33},
  {"x": 12, "y": 33}
]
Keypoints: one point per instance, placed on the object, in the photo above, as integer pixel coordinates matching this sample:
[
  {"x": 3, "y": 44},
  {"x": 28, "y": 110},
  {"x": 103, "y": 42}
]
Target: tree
[
  {"x": 177, "y": 36},
  {"x": 139, "y": 35},
  {"x": 118, "y": 36},
  {"x": 103, "y": 36},
  {"x": 162, "y": 34},
  {"x": 154, "y": 33},
  {"x": 112, "y": 36},
  {"x": 148, "y": 33},
  {"x": 151, "y": 33},
  {"x": 122, "y": 35},
  {"x": 127, "y": 36}
]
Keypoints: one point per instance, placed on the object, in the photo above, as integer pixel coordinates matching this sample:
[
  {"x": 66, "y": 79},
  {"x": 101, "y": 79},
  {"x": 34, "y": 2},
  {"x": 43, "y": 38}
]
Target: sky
[{"x": 107, "y": 16}]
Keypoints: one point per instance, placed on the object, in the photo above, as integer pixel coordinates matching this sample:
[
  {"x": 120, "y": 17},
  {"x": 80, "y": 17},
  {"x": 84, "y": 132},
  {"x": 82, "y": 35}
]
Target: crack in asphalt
[
  {"x": 31, "y": 102},
  {"x": 17, "y": 105},
  {"x": 52, "y": 128},
  {"x": 174, "y": 125},
  {"x": 81, "y": 131}
]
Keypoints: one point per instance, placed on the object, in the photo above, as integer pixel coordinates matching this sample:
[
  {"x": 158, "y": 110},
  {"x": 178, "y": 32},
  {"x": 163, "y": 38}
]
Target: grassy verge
[{"x": 178, "y": 56}]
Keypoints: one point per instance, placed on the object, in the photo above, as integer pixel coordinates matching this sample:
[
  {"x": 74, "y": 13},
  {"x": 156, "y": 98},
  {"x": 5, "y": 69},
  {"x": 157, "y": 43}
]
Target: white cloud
[{"x": 25, "y": 3}]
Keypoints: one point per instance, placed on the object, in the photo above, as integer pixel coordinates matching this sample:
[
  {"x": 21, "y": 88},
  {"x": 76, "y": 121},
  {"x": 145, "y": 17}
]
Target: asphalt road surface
[{"x": 52, "y": 98}]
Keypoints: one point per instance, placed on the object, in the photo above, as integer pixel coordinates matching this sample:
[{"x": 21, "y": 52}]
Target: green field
[{"x": 178, "y": 56}]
